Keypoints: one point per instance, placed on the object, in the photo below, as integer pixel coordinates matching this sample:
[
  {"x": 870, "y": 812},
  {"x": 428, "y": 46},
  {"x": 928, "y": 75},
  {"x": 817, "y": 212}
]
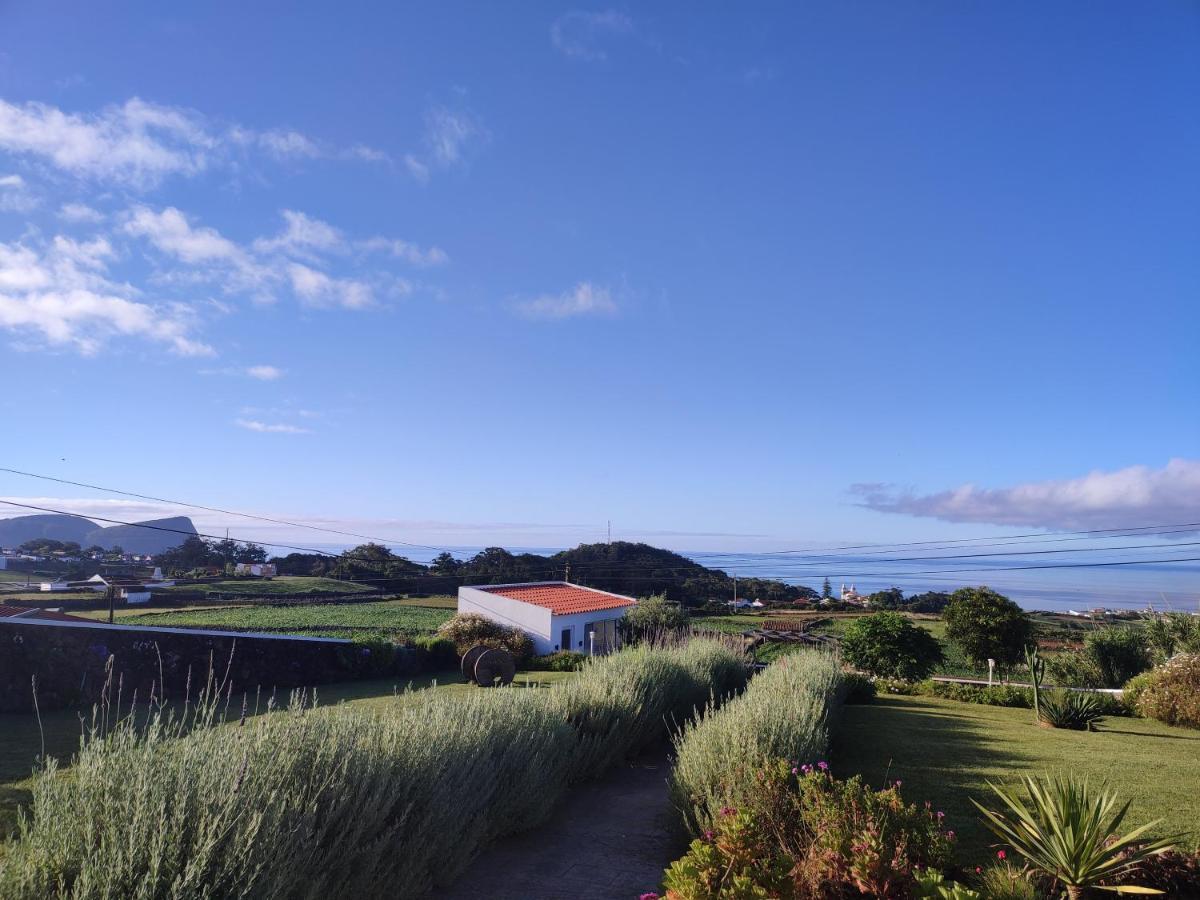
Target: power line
[
  {"x": 1117, "y": 532},
  {"x": 216, "y": 509}
]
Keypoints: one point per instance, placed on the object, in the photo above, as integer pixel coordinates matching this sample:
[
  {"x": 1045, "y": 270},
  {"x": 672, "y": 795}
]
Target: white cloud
[
  {"x": 213, "y": 255},
  {"x": 264, "y": 373},
  {"x": 301, "y": 233},
  {"x": 580, "y": 35},
  {"x": 288, "y": 145},
  {"x": 79, "y": 213},
  {"x": 585, "y": 299},
  {"x": 60, "y": 293},
  {"x": 15, "y": 195},
  {"x": 270, "y": 427},
  {"x": 171, "y": 232},
  {"x": 318, "y": 289},
  {"x": 408, "y": 251},
  {"x": 449, "y": 135},
  {"x": 416, "y": 168},
  {"x": 137, "y": 143},
  {"x": 1125, "y": 498}
]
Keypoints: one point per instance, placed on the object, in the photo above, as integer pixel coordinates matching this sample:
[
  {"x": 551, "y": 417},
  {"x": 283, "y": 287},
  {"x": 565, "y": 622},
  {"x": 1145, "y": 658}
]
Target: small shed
[{"x": 558, "y": 615}]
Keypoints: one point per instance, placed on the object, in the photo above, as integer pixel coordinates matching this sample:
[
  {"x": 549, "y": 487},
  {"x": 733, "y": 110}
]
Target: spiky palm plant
[
  {"x": 1074, "y": 710},
  {"x": 1069, "y": 830}
]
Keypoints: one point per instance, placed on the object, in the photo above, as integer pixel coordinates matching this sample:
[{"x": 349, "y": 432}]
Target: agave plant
[
  {"x": 1069, "y": 830},
  {"x": 1075, "y": 710}
]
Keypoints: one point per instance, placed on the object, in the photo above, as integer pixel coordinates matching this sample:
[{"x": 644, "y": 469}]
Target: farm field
[
  {"x": 282, "y": 585},
  {"x": 21, "y": 738},
  {"x": 377, "y": 620},
  {"x": 945, "y": 752}
]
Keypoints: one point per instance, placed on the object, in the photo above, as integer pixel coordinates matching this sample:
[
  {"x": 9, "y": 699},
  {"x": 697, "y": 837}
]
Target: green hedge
[
  {"x": 784, "y": 713},
  {"x": 306, "y": 802}
]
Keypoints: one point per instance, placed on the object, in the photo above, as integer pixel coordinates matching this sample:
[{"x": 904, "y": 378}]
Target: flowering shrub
[
  {"x": 1171, "y": 693},
  {"x": 804, "y": 834},
  {"x": 468, "y": 629}
]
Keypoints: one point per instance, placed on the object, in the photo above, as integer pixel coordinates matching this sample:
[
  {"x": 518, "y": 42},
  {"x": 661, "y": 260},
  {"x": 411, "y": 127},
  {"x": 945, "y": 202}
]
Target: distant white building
[
  {"x": 556, "y": 614},
  {"x": 261, "y": 570},
  {"x": 851, "y": 595}
]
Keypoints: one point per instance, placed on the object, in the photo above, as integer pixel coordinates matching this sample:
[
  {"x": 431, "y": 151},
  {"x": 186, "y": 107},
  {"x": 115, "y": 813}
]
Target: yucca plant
[
  {"x": 1075, "y": 710},
  {"x": 1068, "y": 830}
]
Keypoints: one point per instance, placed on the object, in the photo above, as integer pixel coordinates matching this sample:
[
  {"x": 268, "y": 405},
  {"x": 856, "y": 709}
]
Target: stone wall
[{"x": 69, "y": 661}]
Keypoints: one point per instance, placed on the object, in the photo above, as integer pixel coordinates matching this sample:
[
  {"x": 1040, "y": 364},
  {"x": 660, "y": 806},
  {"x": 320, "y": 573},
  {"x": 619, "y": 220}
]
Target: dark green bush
[
  {"x": 439, "y": 653},
  {"x": 654, "y": 614},
  {"x": 998, "y": 695},
  {"x": 559, "y": 661},
  {"x": 890, "y": 645},
  {"x": 1009, "y": 695},
  {"x": 859, "y": 688}
]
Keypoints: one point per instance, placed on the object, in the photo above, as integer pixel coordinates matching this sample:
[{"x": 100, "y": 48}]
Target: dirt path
[{"x": 611, "y": 839}]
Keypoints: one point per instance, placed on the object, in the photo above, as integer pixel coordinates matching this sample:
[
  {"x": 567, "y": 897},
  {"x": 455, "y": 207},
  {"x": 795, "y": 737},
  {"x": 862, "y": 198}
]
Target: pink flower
[
  {"x": 708, "y": 835},
  {"x": 899, "y": 782},
  {"x": 949, "y": 835},
  {"x": 649, "y": 896},
  {"x": 824, "y": 766},
  {"x": 795, "y": 771},
  {"x": 941, "y": 815},
  {"x": 979, "y": 870},
  {"x": 1000, "y": 854},
  {"x": 728, "y": 811}
]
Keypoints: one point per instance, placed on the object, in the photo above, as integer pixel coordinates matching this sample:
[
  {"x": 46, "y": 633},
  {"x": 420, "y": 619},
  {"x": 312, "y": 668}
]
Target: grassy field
[
  {"x": 280, "y": 585},
  {"x": 379, "y": 620},
  {"x": 21, "y": 738},
  {"x": 945, "y": 751}
]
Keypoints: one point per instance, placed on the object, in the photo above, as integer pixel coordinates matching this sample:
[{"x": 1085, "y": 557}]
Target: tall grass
[
  {"x": 784, "y": 713},
  {"x": 306, "y": 802}
]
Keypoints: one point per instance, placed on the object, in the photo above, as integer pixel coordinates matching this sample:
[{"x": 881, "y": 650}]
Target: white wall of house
[
  {"x": 540, "y": 624},
  {"x": 579, "y": 624},
  {"x": 534, "y": 620}
]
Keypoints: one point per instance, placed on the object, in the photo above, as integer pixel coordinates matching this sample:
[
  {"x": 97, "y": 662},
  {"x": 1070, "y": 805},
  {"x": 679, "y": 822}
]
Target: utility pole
[
  {"x": 610, "y": 532},
  {"x": 567, "y": 574}
]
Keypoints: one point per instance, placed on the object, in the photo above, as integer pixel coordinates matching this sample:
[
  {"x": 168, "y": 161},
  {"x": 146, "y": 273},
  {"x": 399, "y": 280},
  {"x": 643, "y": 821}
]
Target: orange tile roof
[{"x": 561, "y": 598}]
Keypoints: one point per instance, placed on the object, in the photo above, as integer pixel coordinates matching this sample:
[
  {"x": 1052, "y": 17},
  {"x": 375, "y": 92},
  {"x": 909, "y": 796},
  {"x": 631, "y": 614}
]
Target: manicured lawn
[
  {"x": 380, "y": 620},
  {"x": 945, "y": 751},
  {"x": 21, "y": 738}
]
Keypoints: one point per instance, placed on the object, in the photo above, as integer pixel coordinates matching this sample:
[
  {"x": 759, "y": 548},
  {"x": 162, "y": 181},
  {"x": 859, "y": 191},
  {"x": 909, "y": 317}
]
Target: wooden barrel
[{"x": 494, "y": 666}]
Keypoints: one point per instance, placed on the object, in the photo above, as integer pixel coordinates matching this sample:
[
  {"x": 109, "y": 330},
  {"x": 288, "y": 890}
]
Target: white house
[
  {"x": 262, "y": 570},
  {"x": 556, "y": 614}
]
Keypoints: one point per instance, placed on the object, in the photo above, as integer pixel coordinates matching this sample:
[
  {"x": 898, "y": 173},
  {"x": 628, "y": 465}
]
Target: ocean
[{"x": 1061, "y": 580}]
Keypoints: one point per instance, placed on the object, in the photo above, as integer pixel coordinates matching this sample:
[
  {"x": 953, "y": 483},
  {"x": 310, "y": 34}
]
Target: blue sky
[{"x": 498, "y": 273}]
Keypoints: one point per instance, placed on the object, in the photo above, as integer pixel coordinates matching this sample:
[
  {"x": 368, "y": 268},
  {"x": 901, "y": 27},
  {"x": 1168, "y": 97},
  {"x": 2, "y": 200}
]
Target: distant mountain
[
  {"x": 130, "y": 538},
  {"x": 16, "y": 531},
  {"x": 134, "y": 539}
]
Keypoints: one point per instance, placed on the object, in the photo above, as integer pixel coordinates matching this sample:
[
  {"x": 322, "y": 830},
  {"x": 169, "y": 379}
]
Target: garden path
[{"x": 611, "y": 839}]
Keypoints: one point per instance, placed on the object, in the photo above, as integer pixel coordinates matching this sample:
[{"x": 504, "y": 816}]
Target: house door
[{"x": 566, "y": 639}]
